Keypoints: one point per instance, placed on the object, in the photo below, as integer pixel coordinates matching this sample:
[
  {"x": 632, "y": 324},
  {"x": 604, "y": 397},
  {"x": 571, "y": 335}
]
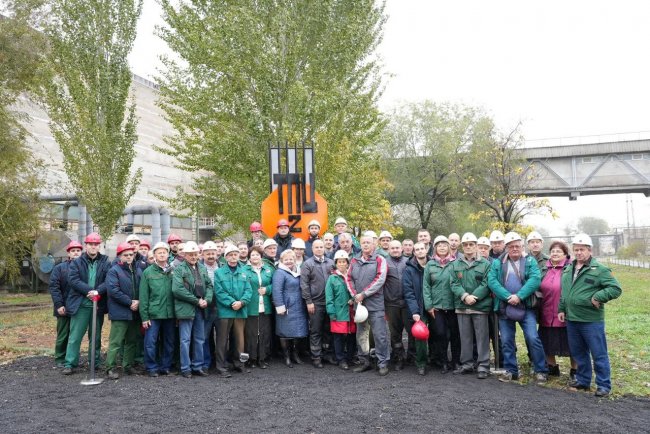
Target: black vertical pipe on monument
[{"x": 270, "y": 167}]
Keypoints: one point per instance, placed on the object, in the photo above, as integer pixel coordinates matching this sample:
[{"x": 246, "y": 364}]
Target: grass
[
  {"x": 32, "y": 332},
  {"x": 627, "y": 322}
]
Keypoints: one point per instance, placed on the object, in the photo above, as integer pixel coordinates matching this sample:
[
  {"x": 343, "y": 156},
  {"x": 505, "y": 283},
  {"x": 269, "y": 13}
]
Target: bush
[{"x": 632, "y": 250}]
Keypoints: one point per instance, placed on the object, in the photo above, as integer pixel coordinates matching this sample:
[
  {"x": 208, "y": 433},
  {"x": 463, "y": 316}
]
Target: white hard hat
[
  {"x": 161, "y": 245},
  {"x": 314, "y": 223},
  {"x": 298, "y": 243},
  {"x": 361, "y": 313},
  {"x": 340, "y": 220},
  {"x": 483, "y": 241},
  {"x": 441, "y": 239},
  {"x": 191, "y": 247},
  {"x": 132, "y": 237},
  {"x": 468, "y": 237},
  {"x": 385, "y": 234},
  {"x": 512, "y": 236},
  {"x": 371, "y": 234},
  {"x": 269, "y": 242},
  {"x": 229, "y": 249},
  {"x": 209, "y": 245},
  {"x": 582, "y": 239},
  {"x": 496, "y": 236},
  {"x": 341, "y": 254},
  {"x": 534, "y": 235}
]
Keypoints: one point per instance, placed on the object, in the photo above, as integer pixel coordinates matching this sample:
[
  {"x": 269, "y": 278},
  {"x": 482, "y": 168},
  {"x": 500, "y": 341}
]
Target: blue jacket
[
  {"x": 412, "y": 285},
  {"x": 286, "y": 292},
  {"x": 123, "y": 282},
  {"x": 59, "y": 285},
  {"x": 78, "y": 279}
]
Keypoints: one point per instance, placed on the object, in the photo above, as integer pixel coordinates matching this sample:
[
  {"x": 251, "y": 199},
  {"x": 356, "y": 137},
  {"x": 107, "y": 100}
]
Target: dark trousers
[
  {"x": 445, "y": 331},
  {"x": 223, "y": 332},
  {"x": 257, "y": 333},
  {"x": 495, "y": 338},
  {"x": 344, "y": 346},
  {"x": 316, "y": 329},
  {"x": 398, "y": 320}
]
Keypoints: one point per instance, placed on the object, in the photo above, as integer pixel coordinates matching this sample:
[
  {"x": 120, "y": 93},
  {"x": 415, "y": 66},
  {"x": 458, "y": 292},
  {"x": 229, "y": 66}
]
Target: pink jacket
[{"x": 551, "y": 288}]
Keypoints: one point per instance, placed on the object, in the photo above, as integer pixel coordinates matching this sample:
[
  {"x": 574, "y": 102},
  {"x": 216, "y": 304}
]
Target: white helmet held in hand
[{"x": 361, "y": 313}]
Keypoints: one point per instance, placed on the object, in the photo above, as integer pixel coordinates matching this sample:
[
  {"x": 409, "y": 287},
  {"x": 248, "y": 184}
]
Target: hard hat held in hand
[
  {"x": 361, "y": 313},
  {"x": 420, "y": 331}
]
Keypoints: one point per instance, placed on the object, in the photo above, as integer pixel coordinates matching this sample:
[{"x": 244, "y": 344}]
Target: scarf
[
  {"x": 288, "y": 270},
  {"x": 444, "y": 261}
]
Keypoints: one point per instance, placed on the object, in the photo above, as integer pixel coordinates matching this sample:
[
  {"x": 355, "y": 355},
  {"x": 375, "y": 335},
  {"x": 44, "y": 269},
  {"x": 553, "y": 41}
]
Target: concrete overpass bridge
[{"x": 601, "y": 167}]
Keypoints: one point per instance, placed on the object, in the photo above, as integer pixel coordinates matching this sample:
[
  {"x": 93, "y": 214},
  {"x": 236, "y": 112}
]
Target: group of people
[{"x": 345, "y": 301}]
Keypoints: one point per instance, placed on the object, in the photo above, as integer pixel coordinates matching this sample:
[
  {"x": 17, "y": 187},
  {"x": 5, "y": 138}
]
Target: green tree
[
  {"x": 593, "y": 225},
  {"x": 92, "y": 116},
  {"x": 421, "y": 146},
  {"x": 493, "y": 174},
  {"x": 252, "y": 73},
  {"x": 20, "y": 51}
]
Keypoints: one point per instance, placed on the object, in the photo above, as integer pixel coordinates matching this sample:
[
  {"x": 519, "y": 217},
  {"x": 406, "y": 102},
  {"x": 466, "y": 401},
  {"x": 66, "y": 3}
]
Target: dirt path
[{"x": 37, "y": 398}]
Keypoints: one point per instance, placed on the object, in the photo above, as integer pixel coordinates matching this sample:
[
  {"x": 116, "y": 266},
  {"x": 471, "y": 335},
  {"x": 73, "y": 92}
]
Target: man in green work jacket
[
  {"x": 586, "y": 286},
  {"x": 193, "y": 292},
  {"x": 233, "y": 291},
  {"x": 157, "y": 312}
]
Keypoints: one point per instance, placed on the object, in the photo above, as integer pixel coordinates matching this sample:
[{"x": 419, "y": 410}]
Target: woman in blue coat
[{"x": 291, "y": 319}]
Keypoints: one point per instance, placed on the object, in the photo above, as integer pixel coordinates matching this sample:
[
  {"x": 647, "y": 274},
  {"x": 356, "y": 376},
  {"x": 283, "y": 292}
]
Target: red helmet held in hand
[{"x": 420, "y": 331}]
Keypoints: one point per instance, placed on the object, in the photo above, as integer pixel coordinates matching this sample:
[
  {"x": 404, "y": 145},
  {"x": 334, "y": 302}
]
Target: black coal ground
[{"x": 37, "y": 398}]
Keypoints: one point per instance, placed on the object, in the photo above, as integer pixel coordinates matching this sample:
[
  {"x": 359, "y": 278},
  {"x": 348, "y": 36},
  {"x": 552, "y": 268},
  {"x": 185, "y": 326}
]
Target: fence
[{"x": 637, "y": 263}]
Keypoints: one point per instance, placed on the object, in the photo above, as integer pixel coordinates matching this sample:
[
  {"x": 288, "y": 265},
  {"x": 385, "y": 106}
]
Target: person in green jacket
[
  {"x": 473, "y": 304},
  {"x": 232, "y": 288},
  {"x": 157, "y": 312},
  {"x": 586, "y": 286},
  {"x": 339, "y": 306},
  {"x": 513, "y": 279},
  {"x": 257, "y": 331},
  {"x": 439, "y": 303},
  {"x": 193, "y": 292}
]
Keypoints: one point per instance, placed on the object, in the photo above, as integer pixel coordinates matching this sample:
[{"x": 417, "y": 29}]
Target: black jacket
[
  {"x": 393, "y": 293},
  {"x": 79, "y": 287},
  {"x": 412, "y": 284}
]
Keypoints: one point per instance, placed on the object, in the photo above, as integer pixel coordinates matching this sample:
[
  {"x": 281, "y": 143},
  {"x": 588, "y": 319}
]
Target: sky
[{"x": 564, "y": 69}]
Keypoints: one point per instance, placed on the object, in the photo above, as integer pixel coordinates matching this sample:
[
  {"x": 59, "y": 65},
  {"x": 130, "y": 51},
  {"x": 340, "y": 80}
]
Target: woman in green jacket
[
  {"x": 233, "y": 291},
  {"x": 257, "y": 331},
  {"x": 339, "y": 305},
  {"x": 439, "y": 302}
]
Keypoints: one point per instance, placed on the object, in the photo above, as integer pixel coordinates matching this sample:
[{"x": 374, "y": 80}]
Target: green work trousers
[
  {"x": 62, "y": 333},
  {"x": 80, "y": 322},
  {"x": 124, "y": 336},
  {"x": 421, "y": 350}
]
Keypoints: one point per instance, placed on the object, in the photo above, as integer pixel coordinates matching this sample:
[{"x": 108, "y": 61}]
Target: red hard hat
[
  {"x": 283, "y": 222},
  {"x": 93, "y": 238},
  {"x": 420, "y": 331},
  {"x": 174, "y": 237},
  {"x": 255, "y": 226},
  {"x": 124, "y": 247},
  {"x": 74, "y": 245},
  {"x": 145, "y": 243}
]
